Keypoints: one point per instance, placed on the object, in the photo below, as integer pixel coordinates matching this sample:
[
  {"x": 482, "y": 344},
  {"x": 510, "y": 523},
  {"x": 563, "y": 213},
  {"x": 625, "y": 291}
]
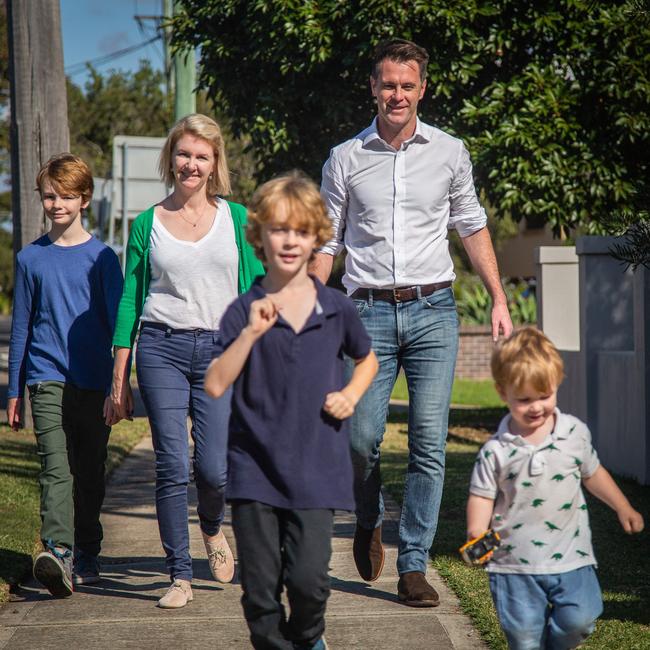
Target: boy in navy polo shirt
[{"x": 289, "y": 463}]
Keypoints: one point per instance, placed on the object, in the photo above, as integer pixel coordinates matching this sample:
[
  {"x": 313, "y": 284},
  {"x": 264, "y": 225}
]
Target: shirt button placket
[
  {"x": 399, "y": 181},
  {"x": 293, "y": 389}
]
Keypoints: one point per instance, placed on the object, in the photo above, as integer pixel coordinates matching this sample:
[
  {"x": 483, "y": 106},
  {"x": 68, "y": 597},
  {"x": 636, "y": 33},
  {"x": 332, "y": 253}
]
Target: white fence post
[{"x": 558, "y": 316}]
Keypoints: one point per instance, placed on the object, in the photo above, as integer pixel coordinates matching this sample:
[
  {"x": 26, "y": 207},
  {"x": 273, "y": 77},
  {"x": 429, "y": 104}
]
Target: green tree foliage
[
  {"x": 634, "y": 250},
  {"x": 633, "y": 228},
  {"x": 551, "y": 97},
  {"x": 125, "y": 103},
  {"x": 135, "y": 103}
]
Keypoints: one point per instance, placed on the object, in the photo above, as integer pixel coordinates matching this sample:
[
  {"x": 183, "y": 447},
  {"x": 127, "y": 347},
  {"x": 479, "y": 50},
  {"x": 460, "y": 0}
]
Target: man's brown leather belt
[{"x": 403, "y": 294}]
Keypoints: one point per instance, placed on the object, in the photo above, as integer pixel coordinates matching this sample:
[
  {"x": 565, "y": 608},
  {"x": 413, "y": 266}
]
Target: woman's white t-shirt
[{"x": 192, "y": 283}]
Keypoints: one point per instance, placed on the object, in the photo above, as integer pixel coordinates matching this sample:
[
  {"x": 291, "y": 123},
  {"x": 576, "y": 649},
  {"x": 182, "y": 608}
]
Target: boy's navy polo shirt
[{"x": 283, "y": 449}]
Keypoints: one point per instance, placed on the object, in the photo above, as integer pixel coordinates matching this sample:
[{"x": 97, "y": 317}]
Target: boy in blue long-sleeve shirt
[{"x": 67, "y": 288}]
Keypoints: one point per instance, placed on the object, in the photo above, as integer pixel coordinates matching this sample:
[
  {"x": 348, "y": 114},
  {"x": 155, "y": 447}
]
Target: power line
[{"x": 76, "y": 68}]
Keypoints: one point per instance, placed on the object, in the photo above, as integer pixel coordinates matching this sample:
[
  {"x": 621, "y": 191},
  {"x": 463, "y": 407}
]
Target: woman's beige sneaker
[
  {"x": 178, "y": 595},
  {"x": 220, "y": 557}
]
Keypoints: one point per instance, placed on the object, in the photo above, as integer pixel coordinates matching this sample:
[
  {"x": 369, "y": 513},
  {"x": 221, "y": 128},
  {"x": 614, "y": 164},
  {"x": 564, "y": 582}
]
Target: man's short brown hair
[
  {"x": 400, "y": 50},
  {"x": 68, "y": 174},
  {"x": 527, "y": 357},
  {"x": 304, "y": 205}
]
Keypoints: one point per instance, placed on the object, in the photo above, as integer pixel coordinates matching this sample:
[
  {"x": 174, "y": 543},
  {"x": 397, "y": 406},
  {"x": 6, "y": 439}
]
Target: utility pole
[
  {"x": 39, "y": 107},
  {"x": 180, "y": 68},
  {"x": 168, "y": 14},
  {"x": 185, "y": 81}
]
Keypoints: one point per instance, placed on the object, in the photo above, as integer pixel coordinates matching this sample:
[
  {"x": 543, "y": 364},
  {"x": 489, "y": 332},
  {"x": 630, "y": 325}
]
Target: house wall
[
  {"x": 607, "y": 380},
  {"x": 516, "y": 256}
]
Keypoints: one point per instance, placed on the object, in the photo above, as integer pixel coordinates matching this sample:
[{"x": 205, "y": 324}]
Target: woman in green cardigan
[{"x": 187, "y": 259}]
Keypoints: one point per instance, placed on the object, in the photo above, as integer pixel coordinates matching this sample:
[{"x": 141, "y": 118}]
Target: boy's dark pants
[
  {"x": 71, "y": 440},
  {"x": 277, "y": 548}
]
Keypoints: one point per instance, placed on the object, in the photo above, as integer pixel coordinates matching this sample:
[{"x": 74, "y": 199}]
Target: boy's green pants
[{"x": 71, "y": 440}]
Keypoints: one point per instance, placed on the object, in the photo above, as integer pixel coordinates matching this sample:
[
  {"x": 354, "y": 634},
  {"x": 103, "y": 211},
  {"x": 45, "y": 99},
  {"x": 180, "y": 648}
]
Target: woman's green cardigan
[{"x": 138, "y": 272}]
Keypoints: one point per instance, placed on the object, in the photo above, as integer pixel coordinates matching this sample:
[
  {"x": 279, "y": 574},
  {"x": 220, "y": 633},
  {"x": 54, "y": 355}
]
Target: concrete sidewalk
[{"x": 120, "y": 612}]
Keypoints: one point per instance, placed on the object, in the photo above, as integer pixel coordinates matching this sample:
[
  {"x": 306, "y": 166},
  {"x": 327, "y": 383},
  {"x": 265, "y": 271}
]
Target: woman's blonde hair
[
  {"x": 204, "y": 127},
  {"x": 67, "y": 173},
  {"x": 303, "y": 205},
  {"x": 527, "y": 357}
]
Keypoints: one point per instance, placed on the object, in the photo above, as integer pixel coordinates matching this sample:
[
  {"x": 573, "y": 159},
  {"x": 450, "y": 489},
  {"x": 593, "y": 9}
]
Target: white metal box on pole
[{"x": 136, "y": 184}]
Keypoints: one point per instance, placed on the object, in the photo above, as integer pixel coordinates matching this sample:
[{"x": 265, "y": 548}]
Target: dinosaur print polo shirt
[{"x": 540, "y": 510}]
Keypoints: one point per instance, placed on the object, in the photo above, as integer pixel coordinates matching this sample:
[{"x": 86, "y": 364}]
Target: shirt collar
[
  {"x": 326, "y": 305},
  {"x": 561, "y": 430},
  {"x": 423, "y": 134}
]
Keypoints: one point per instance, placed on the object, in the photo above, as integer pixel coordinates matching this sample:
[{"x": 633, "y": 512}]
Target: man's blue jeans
[
  {"x": 553, "y": 611},
  {"x": 420, "y": 336}
]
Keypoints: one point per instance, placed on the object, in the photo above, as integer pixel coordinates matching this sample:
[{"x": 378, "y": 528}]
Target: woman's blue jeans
[
  {"x": 420, "y": 336},
  {"x": 548, "y": 612},
  {"x": 171, "y": 366}
]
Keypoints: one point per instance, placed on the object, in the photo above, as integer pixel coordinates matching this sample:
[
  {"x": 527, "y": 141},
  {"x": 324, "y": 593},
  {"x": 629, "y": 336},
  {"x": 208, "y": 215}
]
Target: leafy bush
[
  {"x": 475, "y": 306},
  {"x": 522, "y": 304}
]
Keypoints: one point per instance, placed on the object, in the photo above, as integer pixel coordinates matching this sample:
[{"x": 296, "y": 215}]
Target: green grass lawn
[
  {"x": 624, "y": 570},
  {"x": 19, "y": 495},
  {"x": 467, "y": 392}
]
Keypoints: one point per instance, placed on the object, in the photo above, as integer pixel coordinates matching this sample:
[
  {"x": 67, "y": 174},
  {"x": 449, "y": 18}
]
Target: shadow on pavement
[{"x": 361, "y": 589}]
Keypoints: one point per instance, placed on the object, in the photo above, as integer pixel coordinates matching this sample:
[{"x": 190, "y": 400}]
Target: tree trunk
[
  {"x": 39, "y": 112},
  {"x": 39, "y": 108}
]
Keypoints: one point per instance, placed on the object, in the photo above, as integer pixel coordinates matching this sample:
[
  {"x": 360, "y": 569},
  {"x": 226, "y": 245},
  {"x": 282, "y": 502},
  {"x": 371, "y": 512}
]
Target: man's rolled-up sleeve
[
  {"x": 335, "y": 195},
  {"x": 466, "y": 214}
]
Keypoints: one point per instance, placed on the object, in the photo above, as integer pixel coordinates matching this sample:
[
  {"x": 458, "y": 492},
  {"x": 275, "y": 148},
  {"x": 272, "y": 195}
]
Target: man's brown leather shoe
[
  {"x": 414, "y": 590},
  {"x": 368, "y": 552}
]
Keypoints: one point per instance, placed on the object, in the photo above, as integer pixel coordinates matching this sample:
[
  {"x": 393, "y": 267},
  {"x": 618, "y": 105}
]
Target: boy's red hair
[{"x": 68, "y": 174}]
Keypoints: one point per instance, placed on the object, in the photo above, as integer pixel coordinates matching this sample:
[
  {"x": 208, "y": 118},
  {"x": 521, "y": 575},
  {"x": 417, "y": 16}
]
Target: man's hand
[
  {"x": 339, "y": 405},
  {"x": 481, "y": 254},
  {"x": 14, "y": 408},
  {"x": 501, "y": 321},
  {"x": 262, "y": 316}
]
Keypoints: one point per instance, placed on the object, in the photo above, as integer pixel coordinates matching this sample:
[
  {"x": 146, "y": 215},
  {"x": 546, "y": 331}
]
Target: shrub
[{"x": 475, "y": 306}]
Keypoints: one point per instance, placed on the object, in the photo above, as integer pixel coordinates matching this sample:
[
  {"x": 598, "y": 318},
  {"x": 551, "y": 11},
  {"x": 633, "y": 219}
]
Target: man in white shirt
[{"x": 393, "y": 191}]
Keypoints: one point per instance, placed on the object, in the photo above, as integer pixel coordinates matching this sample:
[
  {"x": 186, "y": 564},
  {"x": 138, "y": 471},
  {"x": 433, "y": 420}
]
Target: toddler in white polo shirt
[{"x": 527, "y": 486}]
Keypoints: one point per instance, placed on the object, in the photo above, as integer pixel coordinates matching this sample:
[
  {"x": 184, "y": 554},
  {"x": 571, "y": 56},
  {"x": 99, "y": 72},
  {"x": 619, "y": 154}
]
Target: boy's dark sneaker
[
  {"x": 85, "y": 569},
  {"x": 53, "y": 569}
]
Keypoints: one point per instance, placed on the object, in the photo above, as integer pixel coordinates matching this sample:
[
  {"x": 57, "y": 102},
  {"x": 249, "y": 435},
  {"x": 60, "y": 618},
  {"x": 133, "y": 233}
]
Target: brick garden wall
[{"x": 474, "y": 352}]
